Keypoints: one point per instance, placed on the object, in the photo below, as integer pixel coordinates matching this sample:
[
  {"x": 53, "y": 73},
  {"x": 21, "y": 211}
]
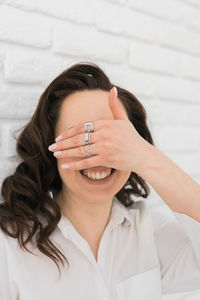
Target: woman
[{"x": 59, "y": 208}]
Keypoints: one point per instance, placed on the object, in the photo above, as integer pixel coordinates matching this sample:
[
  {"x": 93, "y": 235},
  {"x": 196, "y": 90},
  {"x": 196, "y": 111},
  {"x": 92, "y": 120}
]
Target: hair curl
[{"x": 27, "y": 193}]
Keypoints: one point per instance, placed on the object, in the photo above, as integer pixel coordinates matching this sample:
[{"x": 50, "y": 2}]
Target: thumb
[{"x": 116, "y": 106}]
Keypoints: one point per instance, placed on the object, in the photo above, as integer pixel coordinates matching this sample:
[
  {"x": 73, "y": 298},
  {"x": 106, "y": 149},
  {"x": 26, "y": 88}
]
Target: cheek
[
  {"x": 66, "y": 175},
  {"x": 121, "y": 179},
  {"x": 69, "y": 178},
  {"x": 125, "y": 175}
]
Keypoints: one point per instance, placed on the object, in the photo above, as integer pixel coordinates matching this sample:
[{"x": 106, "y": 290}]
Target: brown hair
[{"x": 27, "y": 193}]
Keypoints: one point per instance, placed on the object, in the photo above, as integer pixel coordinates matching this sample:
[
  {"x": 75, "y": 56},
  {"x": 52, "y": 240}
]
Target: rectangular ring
[
  {"x": 88, "y": 126},
  {"x": 87, "y": 138}
]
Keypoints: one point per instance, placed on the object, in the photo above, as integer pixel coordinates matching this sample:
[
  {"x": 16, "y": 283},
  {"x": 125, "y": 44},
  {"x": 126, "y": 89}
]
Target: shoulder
[
  {"x": 8, "y": 244},
  {"x": 160, "y": 220}
]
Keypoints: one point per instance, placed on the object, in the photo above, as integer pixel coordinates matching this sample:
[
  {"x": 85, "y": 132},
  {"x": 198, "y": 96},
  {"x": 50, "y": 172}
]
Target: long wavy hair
[{"x": 27, "y": 194}]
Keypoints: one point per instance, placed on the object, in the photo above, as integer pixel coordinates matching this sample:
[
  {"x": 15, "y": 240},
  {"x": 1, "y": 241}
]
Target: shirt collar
[{"x": 119, "y": 214}]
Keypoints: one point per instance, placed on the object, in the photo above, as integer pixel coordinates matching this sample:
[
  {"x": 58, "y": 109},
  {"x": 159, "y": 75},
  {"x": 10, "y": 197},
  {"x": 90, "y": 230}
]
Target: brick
[
  {"x": 190, "y": 66},
  {"x": 18, "y": 102},
  {"x": 139, "y": 83},
  {"x": 7, "y": 168},
  {"x": 9, "y": 143},
  {"x": 25, "y": 68},
  {"x": 1, "y": 138},
  {"x": 154, "y": 58},
  {"x": 167, "y": 112},
  {"x": 139, "y": 25},
  {"x": 108, "y": 16},
  {"x": 2, "y": 57},
  {"x": 60, "y": 9},
  {"x": 178, "y": 89},
  {"x": 169, "y": 9},
  {"x": 177, "y": 138},
  {"x": 88, "y": 43},
  {"x": 117, "y": 1},
  {"x": 23, "y": 28},
  {"x": 178, "y": 37},
  {"x": 194, "y": 2},
  {"x": 192, "y": 17}
]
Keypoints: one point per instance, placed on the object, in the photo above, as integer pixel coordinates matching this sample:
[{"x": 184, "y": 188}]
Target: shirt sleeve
[
  {"x": 191, "y": 228},
  {"x": 8, "y": 289},
  {"x": 180, "y": 266}
]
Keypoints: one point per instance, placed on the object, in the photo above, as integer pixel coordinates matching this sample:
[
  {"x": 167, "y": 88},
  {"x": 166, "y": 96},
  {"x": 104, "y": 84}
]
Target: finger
[
  {"x": 78, "y": 129},
  {"x": 117, "y": 108},
  {"x": 94, "y": 149},
  {"x": 75, "y": 141},
  {"x": 93, "y": 161}
]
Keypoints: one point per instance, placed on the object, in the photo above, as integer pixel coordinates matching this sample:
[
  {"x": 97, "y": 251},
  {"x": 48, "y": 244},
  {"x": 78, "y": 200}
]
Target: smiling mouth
[{"x": 112, "y": 170}]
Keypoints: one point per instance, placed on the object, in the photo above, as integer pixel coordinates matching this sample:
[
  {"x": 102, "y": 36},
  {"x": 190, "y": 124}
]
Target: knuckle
[
  {"x": 104, "y": 135},
  {"x": 107, "y": 124}
]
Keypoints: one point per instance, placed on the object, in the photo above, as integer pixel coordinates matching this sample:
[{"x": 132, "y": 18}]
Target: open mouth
[
  {"x": 112, "y": 170},
  {"x": 98, "y": 181}
]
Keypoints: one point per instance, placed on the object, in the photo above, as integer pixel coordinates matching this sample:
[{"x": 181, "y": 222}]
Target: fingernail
[
  {"x": 115, "y": 90},
  {"x": 57, "y": 153},
  {"x": 65, "y": 166},
  {"x": 59, "y": 138},
  {"x": 52, "y": 147}
]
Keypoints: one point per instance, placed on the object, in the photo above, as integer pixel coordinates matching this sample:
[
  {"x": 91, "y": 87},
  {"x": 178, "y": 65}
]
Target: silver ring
[
  {"x": 89, "y": 126},
  {"x": 87, "y": 138},
  {"x": 86, "y": 151}
]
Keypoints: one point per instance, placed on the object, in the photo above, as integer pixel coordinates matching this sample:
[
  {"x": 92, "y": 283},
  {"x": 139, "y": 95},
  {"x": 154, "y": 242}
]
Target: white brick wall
[{"x": 150, "y": 47}]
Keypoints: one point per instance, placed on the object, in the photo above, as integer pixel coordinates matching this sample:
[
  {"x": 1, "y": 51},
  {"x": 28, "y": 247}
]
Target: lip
[{"x": 99, "y": 181}]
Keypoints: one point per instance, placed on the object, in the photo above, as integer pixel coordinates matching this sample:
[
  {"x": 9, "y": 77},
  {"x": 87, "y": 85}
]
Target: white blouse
[{"x": 143, "y": 255}]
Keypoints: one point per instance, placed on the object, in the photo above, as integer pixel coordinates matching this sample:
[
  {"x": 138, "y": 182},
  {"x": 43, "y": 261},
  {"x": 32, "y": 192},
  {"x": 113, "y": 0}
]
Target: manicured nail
[
  {"x": 59, "y": 138},
  {"x": 52, "y": 147},
  {"x": 115, "y": 90},
  {"x": 57, "y": 153},
  {"x": 65, "y": 166}
]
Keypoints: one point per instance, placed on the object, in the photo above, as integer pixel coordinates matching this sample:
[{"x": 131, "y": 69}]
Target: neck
[{"x": 88, "y": 217}]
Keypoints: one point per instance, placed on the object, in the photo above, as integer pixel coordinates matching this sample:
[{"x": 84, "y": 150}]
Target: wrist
[{"x": 153, "y": 161}]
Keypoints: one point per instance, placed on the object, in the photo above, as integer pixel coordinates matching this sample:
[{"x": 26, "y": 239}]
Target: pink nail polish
[
  {"x": 115, "y": 90},
  {"x": 57, "y": 153},
  {"x": 64, "y": 166},
  {"x": 59, "y": 138},
  {"x": 52, "y": 147}
]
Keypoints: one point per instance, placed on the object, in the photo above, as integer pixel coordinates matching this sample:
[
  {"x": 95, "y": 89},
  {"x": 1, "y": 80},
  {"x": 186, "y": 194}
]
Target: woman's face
[{"x": 78, "y": 108}]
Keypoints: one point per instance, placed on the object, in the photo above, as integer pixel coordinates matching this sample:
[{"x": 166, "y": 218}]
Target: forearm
[{"x": 179, "y": 191}]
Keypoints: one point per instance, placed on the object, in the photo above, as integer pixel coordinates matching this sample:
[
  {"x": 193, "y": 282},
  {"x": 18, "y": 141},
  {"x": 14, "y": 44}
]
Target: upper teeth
[{"x": 96, "y": 175}]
